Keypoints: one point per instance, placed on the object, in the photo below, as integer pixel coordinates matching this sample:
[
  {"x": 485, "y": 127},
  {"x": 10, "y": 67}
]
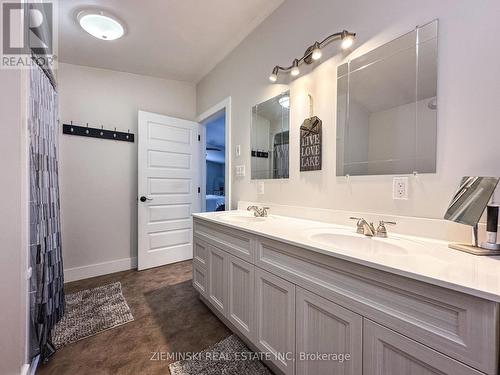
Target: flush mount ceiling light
[
  {"x": 100, "y": 24},
  {"x": 284, "y": 101},
  {"x": 314, "y": 53}
]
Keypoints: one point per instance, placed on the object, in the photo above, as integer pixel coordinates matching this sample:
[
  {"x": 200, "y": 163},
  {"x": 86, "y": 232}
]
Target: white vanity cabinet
[
  {"x": 217, "y": 278},
  {"x": 389, "y": 353},
  {"x": 295, "y": 304},
  {"x": 275, "y": 315},
  {"x": 241, "y": 295},
  {"x": 328, "y": 329}
]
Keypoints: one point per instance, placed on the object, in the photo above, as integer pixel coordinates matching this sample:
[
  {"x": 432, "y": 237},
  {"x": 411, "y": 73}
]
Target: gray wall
[
  {"x": 99, "y": 177},
  {"x": 468, "y": 93},
  {"x": 13, "y": 223}
]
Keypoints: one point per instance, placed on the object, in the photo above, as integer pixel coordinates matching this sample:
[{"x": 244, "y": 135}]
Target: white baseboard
[{"x": 99, "y": 269}]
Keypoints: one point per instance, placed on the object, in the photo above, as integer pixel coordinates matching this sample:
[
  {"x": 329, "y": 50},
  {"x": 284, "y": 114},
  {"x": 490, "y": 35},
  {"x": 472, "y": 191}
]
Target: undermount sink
[
  {"x": 241, "y": 218},
  {"x": 357, "y": 243}
]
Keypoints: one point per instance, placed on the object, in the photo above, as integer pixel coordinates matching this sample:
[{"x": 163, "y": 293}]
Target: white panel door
[{"x": 168, "y": 173}]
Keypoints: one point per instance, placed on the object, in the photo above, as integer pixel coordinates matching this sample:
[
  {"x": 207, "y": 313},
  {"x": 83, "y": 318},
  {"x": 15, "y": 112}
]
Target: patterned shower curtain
[
  {"x": 280, "y": 155},
  {"x": 46, "y": 284}
]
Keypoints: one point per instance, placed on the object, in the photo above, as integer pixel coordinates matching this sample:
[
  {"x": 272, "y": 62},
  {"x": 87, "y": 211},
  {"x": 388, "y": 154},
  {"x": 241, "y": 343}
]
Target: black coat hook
[{"x": 101, "y": 133}]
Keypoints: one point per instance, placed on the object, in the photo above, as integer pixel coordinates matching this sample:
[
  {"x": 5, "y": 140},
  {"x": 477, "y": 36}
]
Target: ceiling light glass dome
[{"x": 100, "y": 24}]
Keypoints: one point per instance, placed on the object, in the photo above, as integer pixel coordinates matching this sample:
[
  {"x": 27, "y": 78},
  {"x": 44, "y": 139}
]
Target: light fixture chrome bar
[{"x": 313, "y": 53}]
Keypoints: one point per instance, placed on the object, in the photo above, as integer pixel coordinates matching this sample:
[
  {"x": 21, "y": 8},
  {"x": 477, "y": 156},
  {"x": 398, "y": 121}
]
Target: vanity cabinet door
[
  {"x": 200, "y": 278},
  {"x": 241, "y": 296},
  {"x": 389, "y": 353},
  {"x": 275, "y": 319},
  {"x": 200, "y": 251},
  {"x": 217, "y": 278},
  {"x": 331, "y": 330}
]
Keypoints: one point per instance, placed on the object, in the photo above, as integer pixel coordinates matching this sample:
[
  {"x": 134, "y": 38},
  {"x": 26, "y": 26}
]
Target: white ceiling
[{"x": 173, "y": 39}]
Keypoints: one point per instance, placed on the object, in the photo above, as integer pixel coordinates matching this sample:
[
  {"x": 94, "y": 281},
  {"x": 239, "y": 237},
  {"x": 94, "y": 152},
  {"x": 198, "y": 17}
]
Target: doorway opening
[
  {"x": 216, "y": 158},
  {"x": 215, "y": 162}
]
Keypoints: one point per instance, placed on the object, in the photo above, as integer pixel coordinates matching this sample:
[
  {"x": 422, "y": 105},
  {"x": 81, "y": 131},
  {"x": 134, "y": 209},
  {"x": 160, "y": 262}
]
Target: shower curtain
[
  {"x": 46, "y": 283},
  {"x": 280, "y": 155}
]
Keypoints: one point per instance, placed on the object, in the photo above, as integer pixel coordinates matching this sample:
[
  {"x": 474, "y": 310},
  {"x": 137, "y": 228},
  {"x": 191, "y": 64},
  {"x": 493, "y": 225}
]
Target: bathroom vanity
[{"x": 295, "y": 288}]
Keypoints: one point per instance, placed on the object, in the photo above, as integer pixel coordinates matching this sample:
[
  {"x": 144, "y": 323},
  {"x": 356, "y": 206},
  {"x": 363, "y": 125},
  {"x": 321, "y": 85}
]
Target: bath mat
[
  {"x": 90, "y": 312},
  {"x": 229, "y": 357}
]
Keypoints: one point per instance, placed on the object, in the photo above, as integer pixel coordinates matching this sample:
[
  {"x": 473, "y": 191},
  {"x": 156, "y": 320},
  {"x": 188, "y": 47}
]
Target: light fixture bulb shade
[
  {"x": 284, "y": 101},
  {"x": 316, "y": 54},
  {"x": 273, "y": 77},
  {"x": 295, "y": 71},
  {"x": 100, "y": 25},
  {"x": 347, "y": 41}
]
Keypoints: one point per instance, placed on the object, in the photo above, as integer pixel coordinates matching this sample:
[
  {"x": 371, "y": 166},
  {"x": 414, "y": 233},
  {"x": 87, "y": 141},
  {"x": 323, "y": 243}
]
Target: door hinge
[
  {"x": 199, "y": 138},
  {"x": 199, "y": 190}
]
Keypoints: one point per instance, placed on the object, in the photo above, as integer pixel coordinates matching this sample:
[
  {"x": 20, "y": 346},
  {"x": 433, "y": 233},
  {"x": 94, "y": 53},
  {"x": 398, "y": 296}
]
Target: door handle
[{"x": 144, "y": 199}]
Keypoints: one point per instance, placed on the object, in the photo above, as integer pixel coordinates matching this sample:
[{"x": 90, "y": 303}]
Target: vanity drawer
[
  {"x": 200, "y": 278},
  {"x": 461, "y": 326},
  {"x": 233, "y": 241}
]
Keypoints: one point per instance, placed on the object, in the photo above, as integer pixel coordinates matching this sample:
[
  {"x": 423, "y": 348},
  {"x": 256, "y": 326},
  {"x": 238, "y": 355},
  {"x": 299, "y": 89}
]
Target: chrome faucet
[
  {"x": 367, "y": 229},
  {"x": 363, "y": 227},
  {"x": 258, "y": 212}
]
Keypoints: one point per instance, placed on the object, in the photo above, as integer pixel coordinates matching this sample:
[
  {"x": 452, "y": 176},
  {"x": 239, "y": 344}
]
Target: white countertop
[{"x": 422, "y": 259}]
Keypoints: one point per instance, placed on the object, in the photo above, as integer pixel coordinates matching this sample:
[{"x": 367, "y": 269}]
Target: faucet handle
[
  {"x": 264, "y": 211},
  {"x": 359, "y": 220},
  {"x": 382, "y": 222},
  {"x": 359, "y": 224},
  {"x": 382, "y": 230}
]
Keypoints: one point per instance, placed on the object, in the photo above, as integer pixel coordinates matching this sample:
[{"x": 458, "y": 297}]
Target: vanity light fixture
[
  {"x": 295, "y": 68},
  {"x": 274, "y": 75},
  {"x": 100, "y": 24},
  {"x": 347, "y": 42},
  {"x": 314, "y": 53}
]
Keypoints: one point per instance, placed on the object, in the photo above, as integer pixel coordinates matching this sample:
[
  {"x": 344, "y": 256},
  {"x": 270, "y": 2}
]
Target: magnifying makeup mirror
[{"x": 467, "y": 207}]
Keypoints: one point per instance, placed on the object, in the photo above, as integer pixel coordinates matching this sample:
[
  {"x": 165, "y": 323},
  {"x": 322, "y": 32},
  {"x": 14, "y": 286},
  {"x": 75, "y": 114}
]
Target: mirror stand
[{"x": 485, "y": 249}]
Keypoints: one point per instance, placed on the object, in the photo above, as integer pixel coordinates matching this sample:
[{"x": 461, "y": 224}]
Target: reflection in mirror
[
  {"x": 470, "y": 200},
  {"x": 270, "y": 138},
  {"x": 387, "y": 107}
]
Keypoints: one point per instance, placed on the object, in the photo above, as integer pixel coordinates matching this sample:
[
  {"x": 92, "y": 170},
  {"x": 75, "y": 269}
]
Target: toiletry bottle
[{"x": 492, "y": 224}]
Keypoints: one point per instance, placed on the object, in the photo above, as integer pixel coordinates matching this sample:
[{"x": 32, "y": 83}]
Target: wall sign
[{"x": 310, "y": 144}]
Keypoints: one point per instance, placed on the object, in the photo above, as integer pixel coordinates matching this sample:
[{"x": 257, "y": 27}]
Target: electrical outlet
[
  {"x": 240, "y": 171},
  {"x": 260, "y": 187},
  {"x": 400, "y": 188},
  {"x": 238, "y": 151}
]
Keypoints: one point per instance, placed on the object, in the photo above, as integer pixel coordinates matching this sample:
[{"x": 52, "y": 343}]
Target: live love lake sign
[{"x": 310, "y": 144}]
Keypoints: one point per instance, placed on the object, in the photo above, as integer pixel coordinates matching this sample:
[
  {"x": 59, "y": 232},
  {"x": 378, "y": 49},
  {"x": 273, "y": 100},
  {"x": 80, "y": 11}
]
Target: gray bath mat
[
  {"x": 89, "y": 312},
  {"x": 229, "y": 357}
]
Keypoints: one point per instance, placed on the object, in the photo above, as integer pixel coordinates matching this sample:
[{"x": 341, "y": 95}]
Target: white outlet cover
[
  {"x": 400, "y": 188},
  {"x": 260, "y": 187},
  {"x": 240, "y": 171}
]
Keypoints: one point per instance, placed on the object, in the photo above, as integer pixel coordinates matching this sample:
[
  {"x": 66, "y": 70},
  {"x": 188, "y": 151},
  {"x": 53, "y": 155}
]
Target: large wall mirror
[
  {"x": 387, "y": 107},
  {"x": 270, "y": 140}
]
